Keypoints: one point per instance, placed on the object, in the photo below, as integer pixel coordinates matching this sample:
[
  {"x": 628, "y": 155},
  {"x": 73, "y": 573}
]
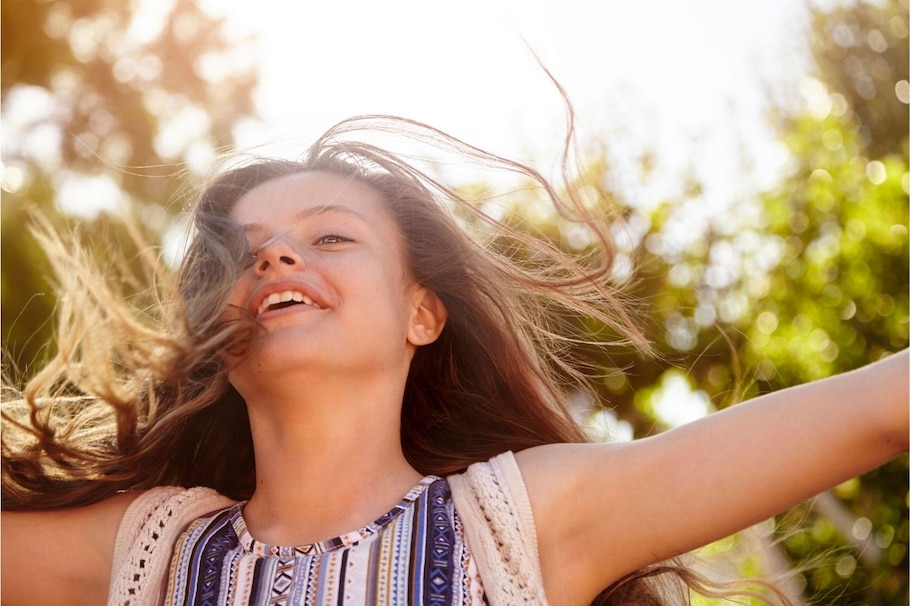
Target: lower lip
[{"x": 274, "y": 313}]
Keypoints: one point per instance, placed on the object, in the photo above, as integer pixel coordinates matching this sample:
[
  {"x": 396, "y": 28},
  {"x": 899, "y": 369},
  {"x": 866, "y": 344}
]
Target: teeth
[{"x": 284, "y": 297}]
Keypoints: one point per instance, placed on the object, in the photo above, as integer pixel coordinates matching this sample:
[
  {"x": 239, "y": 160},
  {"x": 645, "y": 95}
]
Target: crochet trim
[
  {"x": 493, "y": 502},
  {"x": 146, "y": 536}
]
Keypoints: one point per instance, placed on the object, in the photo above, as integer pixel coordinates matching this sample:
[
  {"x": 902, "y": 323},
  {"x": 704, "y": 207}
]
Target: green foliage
[
  {"x": 109, "y": 109},
  {"x": 809, "y": 279},
  {"x": 841, "y": 289},
  {"x": 860, "y": 51},
  {"x": 841, "y": 224}
]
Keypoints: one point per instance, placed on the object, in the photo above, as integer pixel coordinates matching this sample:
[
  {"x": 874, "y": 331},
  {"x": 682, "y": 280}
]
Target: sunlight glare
[
  {"x": 604, "y": 426},
  {"x": 12, "y": 178},
  {"x": 468, "y": 70},
  {"x": 176, "y": 241},
  {"x": 149, "y": 18},
  {"x": 676, "y": 403},
  {"x": 86, "y": 196}
]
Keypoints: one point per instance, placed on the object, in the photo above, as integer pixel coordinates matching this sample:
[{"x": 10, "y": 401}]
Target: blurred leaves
[
  {"x": 107, "y": 106},
  {"x": 806, "y": 280},
  {"x": 799, "y": 282},
  {"x": 861, "y": 56}
]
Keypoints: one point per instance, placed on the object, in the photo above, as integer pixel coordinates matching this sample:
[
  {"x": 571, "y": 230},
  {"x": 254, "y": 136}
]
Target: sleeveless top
[
  {"x": 489, "y": 530},
  {"x": 414, "y": 554}
]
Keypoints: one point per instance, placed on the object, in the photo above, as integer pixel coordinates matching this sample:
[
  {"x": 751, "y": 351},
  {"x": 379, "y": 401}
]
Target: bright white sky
[{"x": 687, "y": 79}]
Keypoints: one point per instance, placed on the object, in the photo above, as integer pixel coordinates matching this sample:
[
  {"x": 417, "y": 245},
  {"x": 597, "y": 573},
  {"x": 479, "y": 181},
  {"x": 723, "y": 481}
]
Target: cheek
[
  {"x": 238, "y": 296},
  {"x": 380, "y": 297},
  {"x": 399, "y": 308}
]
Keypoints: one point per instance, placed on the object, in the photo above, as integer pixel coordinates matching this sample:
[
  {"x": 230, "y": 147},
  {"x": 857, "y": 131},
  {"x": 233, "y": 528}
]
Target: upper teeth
[{"x": 283, "y": 297}]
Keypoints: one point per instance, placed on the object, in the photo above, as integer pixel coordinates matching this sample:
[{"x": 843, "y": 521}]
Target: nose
[{"x": 274, "y": 254}]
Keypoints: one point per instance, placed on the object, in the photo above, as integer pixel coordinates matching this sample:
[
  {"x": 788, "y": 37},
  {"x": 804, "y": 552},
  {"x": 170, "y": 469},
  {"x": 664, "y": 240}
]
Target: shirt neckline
[{"x": 260, "y": 549}]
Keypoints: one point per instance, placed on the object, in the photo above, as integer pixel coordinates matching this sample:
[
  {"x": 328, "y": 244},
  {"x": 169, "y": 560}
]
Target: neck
[{"x": 328, "y": 456}]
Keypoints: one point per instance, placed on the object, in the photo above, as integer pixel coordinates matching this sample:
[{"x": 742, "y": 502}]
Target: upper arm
[
  {"x": 604, "y": 510},
  {"x": 60, "y": 556}
]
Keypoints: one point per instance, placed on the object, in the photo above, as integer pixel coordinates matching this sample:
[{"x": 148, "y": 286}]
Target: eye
[
  {"x": 332, "y": 239},
  {"x": 252, "y": 254}
]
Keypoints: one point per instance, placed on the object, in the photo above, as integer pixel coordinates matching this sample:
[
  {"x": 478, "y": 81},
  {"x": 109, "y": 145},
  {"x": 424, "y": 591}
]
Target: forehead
[{"x": 280, "y": 200}]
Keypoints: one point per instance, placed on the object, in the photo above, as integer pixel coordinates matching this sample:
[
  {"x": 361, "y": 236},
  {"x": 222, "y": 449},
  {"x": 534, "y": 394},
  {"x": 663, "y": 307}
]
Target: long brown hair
[
  {"x": 162, "y": 411},
  {"x": 131, "y": 403}
]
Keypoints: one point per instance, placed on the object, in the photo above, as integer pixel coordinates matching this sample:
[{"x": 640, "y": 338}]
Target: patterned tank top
[{"x": 414, "y": 554}]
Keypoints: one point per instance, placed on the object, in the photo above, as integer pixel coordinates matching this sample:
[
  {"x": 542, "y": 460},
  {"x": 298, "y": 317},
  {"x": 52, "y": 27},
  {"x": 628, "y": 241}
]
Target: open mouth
[{"x": 284, "y": 299}]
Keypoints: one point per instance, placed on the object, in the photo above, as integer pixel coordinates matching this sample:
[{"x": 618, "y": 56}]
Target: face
[{"x": 327, "y": 279}]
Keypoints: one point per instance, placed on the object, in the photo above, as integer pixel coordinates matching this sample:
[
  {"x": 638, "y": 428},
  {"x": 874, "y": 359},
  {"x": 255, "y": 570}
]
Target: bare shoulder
[
  {"x": 61, "y": 556},
  {"x": 559, "y": 479},
  {"x": 552, "y": 470}
]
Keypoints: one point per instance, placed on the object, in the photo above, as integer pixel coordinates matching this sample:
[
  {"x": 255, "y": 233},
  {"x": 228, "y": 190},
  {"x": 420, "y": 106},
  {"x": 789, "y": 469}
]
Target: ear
[{"x": 428, "y": 317}]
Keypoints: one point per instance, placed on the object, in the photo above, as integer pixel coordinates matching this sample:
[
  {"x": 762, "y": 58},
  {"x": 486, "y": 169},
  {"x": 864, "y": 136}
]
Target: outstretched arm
[{"x": 604, "y": 510}]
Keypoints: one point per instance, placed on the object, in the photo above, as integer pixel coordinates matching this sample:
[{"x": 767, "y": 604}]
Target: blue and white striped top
[{"x": 414, "y": 554}]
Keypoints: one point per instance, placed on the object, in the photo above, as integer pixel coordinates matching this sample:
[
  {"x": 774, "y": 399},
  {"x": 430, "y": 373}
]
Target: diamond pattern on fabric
[{"x": 415, "y": 554}]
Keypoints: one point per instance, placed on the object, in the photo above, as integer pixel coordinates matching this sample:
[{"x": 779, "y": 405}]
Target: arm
[
  {"x": 60, "y": 556},
  {"x": 603, "y": 510}
]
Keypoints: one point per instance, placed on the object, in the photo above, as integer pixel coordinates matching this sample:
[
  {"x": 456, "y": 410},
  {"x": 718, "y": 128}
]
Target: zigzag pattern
[{"x": 415, "y": 554}]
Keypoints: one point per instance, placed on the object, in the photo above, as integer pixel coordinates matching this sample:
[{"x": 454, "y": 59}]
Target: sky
[{"x": 686, "y": 80}]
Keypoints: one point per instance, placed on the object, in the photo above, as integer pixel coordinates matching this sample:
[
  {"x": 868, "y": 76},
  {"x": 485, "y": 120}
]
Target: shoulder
[
  {"x": 69, "y": 551},
  {"x": 147, "y": 533},
  {"x": 531, "y": 484},
  {"x": 573, "y": 490},
  {"x": 525, "y": 515},
  {"x": 492, "y": 502},
  {"x": 89, "y": 525},
  {"x": 81, "y": 555},
  {"x": 166, "y": 506}
]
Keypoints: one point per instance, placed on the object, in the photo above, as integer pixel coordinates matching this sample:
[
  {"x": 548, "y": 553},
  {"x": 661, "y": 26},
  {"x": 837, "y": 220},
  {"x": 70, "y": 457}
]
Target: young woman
[{"x": 351, "y": 401}]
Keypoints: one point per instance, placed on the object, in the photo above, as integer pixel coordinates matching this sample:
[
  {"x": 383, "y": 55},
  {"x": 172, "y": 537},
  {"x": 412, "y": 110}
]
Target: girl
[{"x": 353, "y": 402}]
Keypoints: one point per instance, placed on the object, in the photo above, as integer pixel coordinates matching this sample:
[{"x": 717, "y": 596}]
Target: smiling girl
[{"x": 351, "y": 400}]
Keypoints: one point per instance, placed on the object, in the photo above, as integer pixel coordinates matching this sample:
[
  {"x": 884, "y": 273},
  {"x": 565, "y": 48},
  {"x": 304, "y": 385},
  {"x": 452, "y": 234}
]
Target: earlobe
[{"x": 429, "y": 318}]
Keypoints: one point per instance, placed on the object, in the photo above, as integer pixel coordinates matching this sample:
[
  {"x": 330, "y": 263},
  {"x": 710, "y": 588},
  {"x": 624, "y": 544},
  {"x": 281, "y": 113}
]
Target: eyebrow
[{"x": 307, "y": 213}]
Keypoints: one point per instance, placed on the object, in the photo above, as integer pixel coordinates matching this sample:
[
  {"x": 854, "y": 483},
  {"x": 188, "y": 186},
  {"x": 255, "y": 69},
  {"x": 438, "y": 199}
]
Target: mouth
[{"x": 285, "y": 299}]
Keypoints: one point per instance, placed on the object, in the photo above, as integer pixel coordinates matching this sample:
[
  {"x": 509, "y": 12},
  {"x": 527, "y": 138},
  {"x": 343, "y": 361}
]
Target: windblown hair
[{"x": 131, "y": 402}]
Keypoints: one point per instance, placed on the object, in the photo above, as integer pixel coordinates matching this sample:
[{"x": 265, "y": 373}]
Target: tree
[
  {"x": 105, "y": 106},
  {"x": 860, "y": 54},
  {"x": 809, "y": 280}
]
